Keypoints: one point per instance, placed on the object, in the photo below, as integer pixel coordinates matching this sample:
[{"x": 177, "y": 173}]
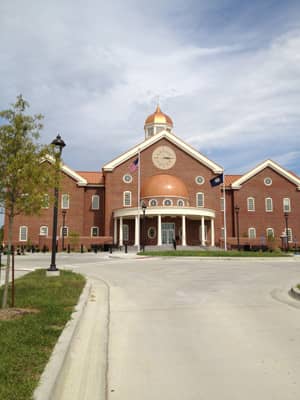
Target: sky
[{"x": 226, "y": 71}]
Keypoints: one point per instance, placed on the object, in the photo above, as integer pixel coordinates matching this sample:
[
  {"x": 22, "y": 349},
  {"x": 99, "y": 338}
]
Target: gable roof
[
  {"x": 110, "y": 166},
  {"x": 271, "y": 164}
]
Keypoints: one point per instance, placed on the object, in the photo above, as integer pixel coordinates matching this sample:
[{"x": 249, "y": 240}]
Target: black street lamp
[
  {"x": 144, "y": 224},
  {"x": 237, "y": 210},
  {"x": 58, "y": 144},
  {"x": 286, "y": 217},
  {"x": 64, "y": 212}
]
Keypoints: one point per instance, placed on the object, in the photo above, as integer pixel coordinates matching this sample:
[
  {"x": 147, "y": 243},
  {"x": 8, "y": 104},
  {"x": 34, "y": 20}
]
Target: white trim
[
  {"x": 197, "y": 199},
  {"x": 249, "y": 208},
  {"x": 187, "y": 211},
  {"x": 288, "y": 203},
  {"x": 95, "y": 196},
  {"x": 68, "y": 171},
  {"x": 20, "y": 233},
  {"x": 110, "y": 166},
  {"x": 268, "y": 163},
  {"x": 46, "y": 230},
  {"x": 127, "y": 192},
  {"x": 266, "y": 202},
  {"x": 252, "y": 229}
]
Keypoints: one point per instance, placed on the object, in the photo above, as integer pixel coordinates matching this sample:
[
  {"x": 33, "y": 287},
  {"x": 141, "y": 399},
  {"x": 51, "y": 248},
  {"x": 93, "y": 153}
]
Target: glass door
[{"x": 168, "y": 232}]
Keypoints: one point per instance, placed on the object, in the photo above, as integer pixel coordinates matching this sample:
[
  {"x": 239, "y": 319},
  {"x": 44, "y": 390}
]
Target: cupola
[{"x": 157, "y": 122}]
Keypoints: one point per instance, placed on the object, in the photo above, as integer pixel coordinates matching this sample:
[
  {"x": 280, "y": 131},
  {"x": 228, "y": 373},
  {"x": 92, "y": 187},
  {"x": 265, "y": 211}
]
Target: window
[
  {"x": 200, "y": 199},
  {"x": 94, "y": 231},
  {"x": 153, "y": 203},
  {"x": 167, "y": 202},
  {"x": 286, "y": 204},
  {"x": 251, "y": 233},
  {"x": 65, "y": 201},
  {"x": 269, "y": 204},
  {"x": 125, "y": 232},
  {"x": 289, "y": 234},
  {"x": 151, "y": 232},
  {"x": 251, "y": 204},
  {"x": 270, "y": 233},
  {"x": 180, "y": 203},
  {"x": 127, "y": 178},
  {"x": 199, "y": 180},
  {"x": 222, "y": 232},
  {"x": 222, "y": 204},
  {"x": 95, "y": 202},
  {"x": 44, "y": 230},
  {"x": 23, "y": 233},
  {"x": 268, "y": 181},
  {"x": 64, "y": 230},
  {"x": 45, "y": 202},
  {"x": 127, "y": 199}
]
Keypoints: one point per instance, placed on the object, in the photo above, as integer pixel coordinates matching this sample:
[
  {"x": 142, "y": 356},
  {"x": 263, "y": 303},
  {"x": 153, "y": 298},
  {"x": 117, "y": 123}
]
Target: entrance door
[{"x": 167, "y": 232}]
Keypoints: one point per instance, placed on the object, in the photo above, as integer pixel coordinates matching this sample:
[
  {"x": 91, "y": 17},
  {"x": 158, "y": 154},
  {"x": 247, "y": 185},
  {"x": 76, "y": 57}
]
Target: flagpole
[
  {"x": 225, "y": 229},
  {"x": 139, "y": 197}
]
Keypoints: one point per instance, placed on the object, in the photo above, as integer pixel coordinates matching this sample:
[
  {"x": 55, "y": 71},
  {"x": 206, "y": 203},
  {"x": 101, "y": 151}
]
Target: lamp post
[
  {"x": 58, "y": 144},
  {"x": 64, "y": 212},
  {"x": 286, "y": 217},
  {"x": 144, "y": 224},
  {"x": 237, "y": 210}
]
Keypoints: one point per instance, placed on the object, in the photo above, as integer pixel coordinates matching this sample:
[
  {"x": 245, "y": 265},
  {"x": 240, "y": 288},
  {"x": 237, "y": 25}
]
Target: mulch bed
[{"x": 7, "y": 314}]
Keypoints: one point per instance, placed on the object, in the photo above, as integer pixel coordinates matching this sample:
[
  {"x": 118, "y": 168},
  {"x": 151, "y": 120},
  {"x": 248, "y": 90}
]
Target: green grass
[
  {"x": 212, "y": 253},
  {"x": 26, "y": 344}
]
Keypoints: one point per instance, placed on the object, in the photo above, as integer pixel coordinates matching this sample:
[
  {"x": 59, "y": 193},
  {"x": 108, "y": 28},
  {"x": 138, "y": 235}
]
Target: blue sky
[{"x": 227, "y": 72}]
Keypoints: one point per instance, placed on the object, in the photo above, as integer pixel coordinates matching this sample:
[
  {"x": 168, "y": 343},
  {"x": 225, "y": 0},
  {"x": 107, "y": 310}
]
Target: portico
[{"x": 163, "y": 222}]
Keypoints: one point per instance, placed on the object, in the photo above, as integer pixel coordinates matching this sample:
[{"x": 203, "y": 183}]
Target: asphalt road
[{"x": 197, "y": 329}]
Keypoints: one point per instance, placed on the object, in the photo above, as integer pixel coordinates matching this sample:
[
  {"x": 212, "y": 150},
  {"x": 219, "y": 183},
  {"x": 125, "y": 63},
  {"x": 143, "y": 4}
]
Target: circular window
[
  {"x": 199, "y": 180},
  {"x": 127, "y": 178},
  {"x": 268, "y": 181},
  {"x": 153, "y": 203},
  {"x": 180, "y": 203},
  {"x": 151, "y": 232},
  {"x": 167, "y": 202}
]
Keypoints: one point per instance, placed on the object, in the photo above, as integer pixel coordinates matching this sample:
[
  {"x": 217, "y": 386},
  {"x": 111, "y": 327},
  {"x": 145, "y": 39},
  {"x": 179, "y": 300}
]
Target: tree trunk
[{"x": 10, "y": 231}]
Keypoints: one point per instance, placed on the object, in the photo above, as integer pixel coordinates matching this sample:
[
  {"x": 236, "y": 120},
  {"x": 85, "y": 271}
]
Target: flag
[
  {"x": 134, "y": 165},
  {"x": 217, "y": 180}
]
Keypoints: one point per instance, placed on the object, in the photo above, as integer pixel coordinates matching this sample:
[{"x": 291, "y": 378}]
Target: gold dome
[
  {"x": 158, "y": 117},
  {"x": 164, "y": 185}
]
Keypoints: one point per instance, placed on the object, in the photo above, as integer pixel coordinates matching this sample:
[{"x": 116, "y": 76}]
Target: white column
[
  {"x": 115, "y": 230},
  {"x": 183, "y": 231},
  {"x": 136, "y": 232},
  {"x": 159, "y": 230},
  {"x": 121, "y": 232},
  {"x": 202, "y": 232},
  {"x": 212, "y": 228}
]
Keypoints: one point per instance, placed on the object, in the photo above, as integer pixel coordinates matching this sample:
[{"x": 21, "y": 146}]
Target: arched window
[
  {"x": 23, "y": 233},
  {"x": 270, "y": 233},
  {"x": 94, "y": 231},
  {"x": 127, "y": 198},
  {"x": 200, "y": 199},
  {"x": 95, "y": 202},
  {"x": 251, "y": 233},
  {"x": 65, "y": 201},
  {"x": 43, "y": 230},
  {"x": 286, "y": 204},
  {"x": 251, "y": 204},
  {"x": 269, "y": 204},
  {"x": 180, "y": 203}
]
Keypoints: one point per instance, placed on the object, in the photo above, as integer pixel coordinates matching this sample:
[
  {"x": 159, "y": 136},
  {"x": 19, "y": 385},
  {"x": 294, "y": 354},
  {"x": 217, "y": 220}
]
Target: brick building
[{"x": 178, "y": 187}]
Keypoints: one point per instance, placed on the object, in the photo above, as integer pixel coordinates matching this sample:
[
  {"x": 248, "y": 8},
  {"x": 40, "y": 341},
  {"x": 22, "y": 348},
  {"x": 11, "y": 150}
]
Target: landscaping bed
[
  {"x": 29, "y": 332},
  {"x": 213, "y": 253}
]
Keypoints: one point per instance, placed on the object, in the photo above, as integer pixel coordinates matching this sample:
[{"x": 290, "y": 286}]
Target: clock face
[{"x": 164, "y": 157}]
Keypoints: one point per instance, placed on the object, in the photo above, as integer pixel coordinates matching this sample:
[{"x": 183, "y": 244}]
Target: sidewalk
[{"x": 77, "y": 367}]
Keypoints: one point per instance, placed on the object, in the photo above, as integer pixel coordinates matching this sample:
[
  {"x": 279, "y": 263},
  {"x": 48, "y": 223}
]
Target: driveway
[{"x": 196, "y": 329}]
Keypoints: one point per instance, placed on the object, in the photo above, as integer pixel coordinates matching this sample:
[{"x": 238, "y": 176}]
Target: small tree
[{"x": 24, "y": 178}]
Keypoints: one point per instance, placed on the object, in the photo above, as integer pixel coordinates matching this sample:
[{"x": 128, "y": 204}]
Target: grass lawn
[
  {"x": 26, "y": 342},
  {"x": 212, "y": 253}
]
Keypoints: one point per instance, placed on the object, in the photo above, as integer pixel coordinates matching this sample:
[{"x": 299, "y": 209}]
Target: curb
[
  {"x": 55, "y": 364},
  {"x": 295, "y": 292}
]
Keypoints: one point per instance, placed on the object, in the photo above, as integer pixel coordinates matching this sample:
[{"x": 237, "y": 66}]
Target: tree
[{"x": 24, "y": 177}]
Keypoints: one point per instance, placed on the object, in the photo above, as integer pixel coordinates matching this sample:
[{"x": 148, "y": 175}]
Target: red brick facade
[{"x": 187, "y": 218}]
